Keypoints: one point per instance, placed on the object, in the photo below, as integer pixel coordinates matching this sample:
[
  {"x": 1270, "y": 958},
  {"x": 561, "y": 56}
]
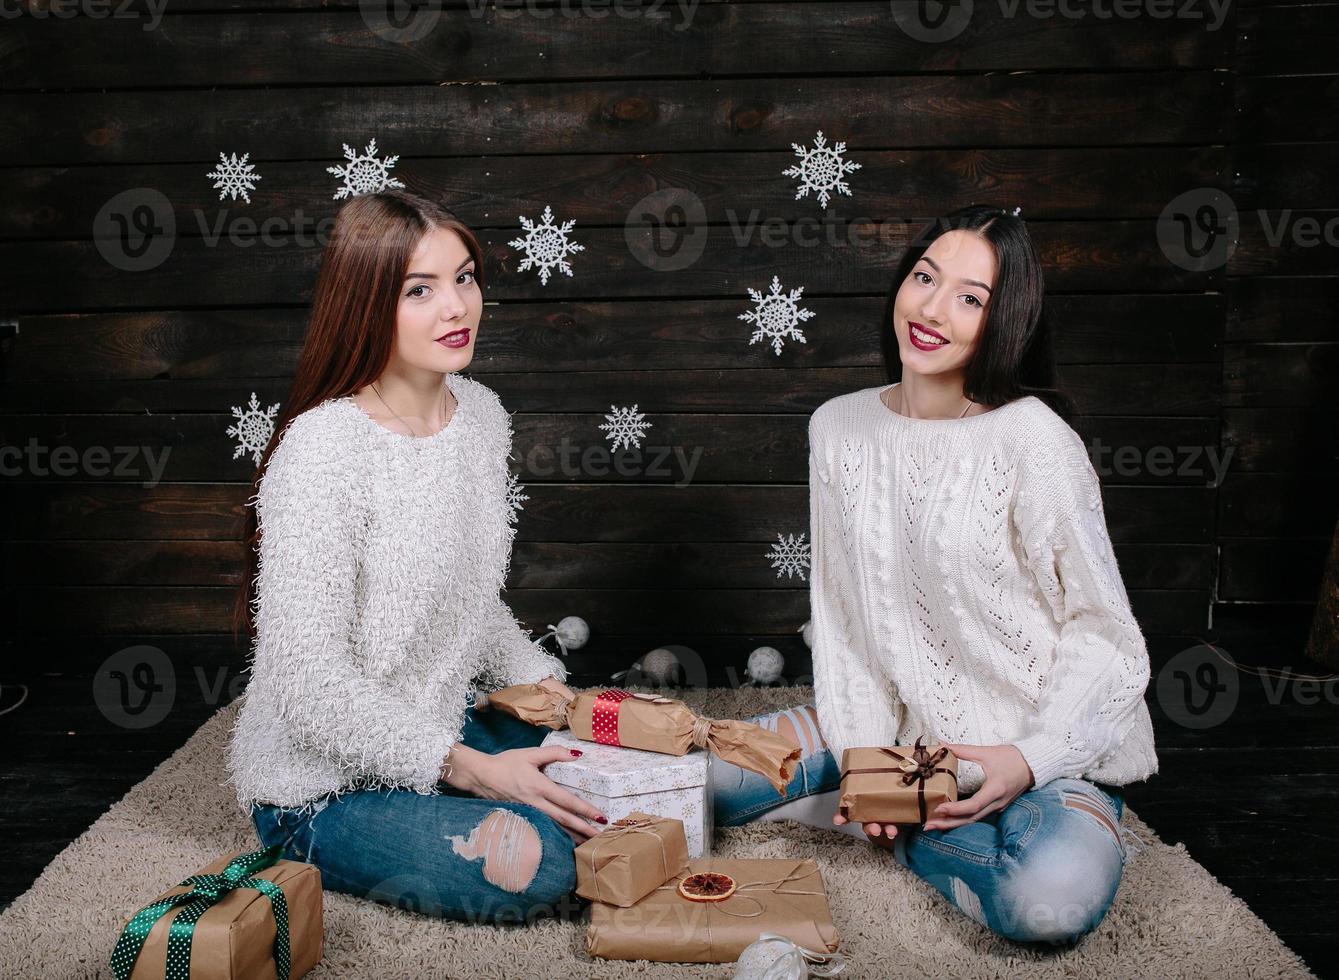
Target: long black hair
[{"x": 1015, "y": 357}]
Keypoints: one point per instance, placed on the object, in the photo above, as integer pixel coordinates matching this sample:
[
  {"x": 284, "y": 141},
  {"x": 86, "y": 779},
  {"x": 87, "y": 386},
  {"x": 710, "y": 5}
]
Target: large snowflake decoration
[
  {"x": 546, "y": 246},
  {"x": 253, "y": 429},
  {"x": 234, "y": 177},
  {"x": 515, "y": 497},
  {"x": 776, "y": 316},
  {"x": 364, "y": 173},
  {"x": 821, "y": 169},
  {"x": 790, "y": 556},
  {"x": 626, "y": 427}
]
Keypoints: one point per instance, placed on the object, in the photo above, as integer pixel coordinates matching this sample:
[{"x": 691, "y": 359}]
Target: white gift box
[{"x": 620, "y": 781}]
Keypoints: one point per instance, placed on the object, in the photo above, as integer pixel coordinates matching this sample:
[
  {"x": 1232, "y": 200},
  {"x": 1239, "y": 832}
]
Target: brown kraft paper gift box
[
  {"x": 785, "y": 897},
  {"x": 630, "y": 859},
  {"x": 234, "y": 939},
  {"x": 897, "y": 784}
]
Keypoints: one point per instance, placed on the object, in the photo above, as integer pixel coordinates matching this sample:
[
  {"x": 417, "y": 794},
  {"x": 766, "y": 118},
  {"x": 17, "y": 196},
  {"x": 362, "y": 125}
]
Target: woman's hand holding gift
[{"x": 1008, "y": 776}]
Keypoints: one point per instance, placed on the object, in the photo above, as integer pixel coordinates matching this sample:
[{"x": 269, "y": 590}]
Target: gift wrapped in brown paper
[
  {"x": 654, "y": 724},
  {"x": 631, "y": 858},
  {"x": 244, "y": 930},
  {"x": 900, "y": 784},
  {"x": 785, "y": 897}
]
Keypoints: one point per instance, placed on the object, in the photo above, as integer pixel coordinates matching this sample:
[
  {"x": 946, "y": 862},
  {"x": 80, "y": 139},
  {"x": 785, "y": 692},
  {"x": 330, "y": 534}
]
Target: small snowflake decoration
[
  {"x": 821, "y": 169},
  {"x": 790, "y": 556},
  {"x": 776, "y": 316},
  {"x": 515, "y": 497},
  {"x": 546, "y": 246},
  {"x": 625, "y": 426},
  {"x": 364, "y": 173},
  {"x": 234, "y": 177},
  {"x": 254, "y": 428}
]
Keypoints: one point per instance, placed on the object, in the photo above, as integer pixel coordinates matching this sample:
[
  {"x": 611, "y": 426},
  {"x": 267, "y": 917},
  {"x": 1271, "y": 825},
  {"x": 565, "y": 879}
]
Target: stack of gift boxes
[{"x": 656, "y": 892}]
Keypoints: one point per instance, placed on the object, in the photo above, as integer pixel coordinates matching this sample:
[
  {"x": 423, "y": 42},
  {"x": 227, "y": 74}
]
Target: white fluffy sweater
[
  {"x": 964, "y": 588},
  {"x": 378, "y": 610}
]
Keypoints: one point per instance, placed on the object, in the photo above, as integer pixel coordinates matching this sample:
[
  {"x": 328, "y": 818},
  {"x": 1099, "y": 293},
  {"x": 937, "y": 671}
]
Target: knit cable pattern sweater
[
  {"x": 378, "y": 612},
  {"x": 964, "y": 588}
]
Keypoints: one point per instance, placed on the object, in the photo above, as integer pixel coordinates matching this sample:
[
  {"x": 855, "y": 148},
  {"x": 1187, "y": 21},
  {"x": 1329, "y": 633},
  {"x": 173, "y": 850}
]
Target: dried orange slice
[{"x": 707, "y": 886}]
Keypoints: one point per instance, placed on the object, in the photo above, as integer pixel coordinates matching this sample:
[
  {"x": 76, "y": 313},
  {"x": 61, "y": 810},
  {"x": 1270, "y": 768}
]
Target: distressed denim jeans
[{"x": 1044, "y": 869}]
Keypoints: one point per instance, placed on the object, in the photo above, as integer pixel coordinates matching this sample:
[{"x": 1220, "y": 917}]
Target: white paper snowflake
[
  {"x": 626, "y": 427},
  {"x": 790, "y": 556},
  {"x": 234, "y": 177},
  {"x": 364, "y": 173},
  {"x": 515, "y": 497},
  {"x": 776, "y": 316},
  {"x": 253, "y": 429},
  {"x": 821, "y": 169},
  {"x": 546, "y": 246}
]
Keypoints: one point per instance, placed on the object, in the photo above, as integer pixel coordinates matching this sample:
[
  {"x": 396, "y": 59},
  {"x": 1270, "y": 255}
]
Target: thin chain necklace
[
  {"x": 970, "y": 403},
  {"x": 406, "y": 424}
]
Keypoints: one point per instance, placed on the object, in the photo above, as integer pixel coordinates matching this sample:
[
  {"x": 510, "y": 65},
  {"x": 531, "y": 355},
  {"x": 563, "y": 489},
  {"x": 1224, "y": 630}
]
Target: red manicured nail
[
  {"x": 601, "y": 819},
  {"x": 576, "y": 753}
]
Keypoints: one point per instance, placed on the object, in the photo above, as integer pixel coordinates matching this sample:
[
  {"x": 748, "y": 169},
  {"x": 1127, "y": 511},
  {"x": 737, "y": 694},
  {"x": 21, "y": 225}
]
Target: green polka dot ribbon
[{"x": 206, "y": 890}]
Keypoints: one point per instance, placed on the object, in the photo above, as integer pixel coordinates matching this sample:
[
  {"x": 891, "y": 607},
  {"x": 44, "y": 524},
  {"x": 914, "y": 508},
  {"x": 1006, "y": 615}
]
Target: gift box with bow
[
  {"x": 898, "y": 784},
  {"x": 630, "y": 859},
  {"x": 781, "y": 897},
  {"x": 253, "y": 916},
  {"x": 652, "y": 723}
]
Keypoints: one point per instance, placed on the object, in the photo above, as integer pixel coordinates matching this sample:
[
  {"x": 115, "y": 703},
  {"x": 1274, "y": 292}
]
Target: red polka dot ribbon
[{"x": 604, "y": 715}]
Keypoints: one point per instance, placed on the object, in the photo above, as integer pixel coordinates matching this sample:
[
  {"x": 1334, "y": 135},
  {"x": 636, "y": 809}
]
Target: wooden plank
[
  {"x": 576, "y": 513},
  {"x": 1287, "y": 39},
  {"x": 1106, "y": 256},
  {"x": 1289, "y": 108},
  {"x": 186, "y": 355},
  {"x": 998, "y": 109},
  {"x": 1289, "y": 241},
  {"x": 1283, "y": 175},
  {"x": 1272, "y": 569},
  {"x": 1282, "y": 439},
  {"x": 679, "y": 448},
  {"x": 1292, "y": 375},
  {"x": 1301, "y": 505},
  {"x": 490, "y": 191},
  {"x": 534, "y": 565},
  {"x": 472, "y": 43},
  {"x": 649, "y": 613},
  {"x": 1283, "y": 309}
]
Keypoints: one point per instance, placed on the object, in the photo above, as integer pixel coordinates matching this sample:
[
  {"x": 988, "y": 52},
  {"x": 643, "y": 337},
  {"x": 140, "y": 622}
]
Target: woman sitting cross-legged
[{"x": 964, "y": 589}]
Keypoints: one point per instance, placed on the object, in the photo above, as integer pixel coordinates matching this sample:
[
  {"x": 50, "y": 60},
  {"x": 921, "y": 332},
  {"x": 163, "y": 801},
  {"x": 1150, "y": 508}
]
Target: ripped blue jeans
[{"x": 1044, "y": 869}]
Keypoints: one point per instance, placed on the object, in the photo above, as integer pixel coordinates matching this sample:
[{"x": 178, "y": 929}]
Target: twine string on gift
[
  {"x": 621, "y": 828},
  {"x": 773, "y": 885},
  {"x": 206, "y": 891},
  {"x": 916, "y": 768},
  {"x": 701, "y": 730}
]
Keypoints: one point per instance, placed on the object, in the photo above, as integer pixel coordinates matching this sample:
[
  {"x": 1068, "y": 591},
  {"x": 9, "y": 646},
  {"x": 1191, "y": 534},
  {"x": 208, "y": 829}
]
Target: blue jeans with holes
[
  {"x": 1044, "y": 869},
  {"x": 453, "y": 855}
]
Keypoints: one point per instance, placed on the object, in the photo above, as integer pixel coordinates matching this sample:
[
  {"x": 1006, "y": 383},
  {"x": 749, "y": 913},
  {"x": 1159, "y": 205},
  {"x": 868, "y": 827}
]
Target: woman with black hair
[{"x": 964, "y": 589}]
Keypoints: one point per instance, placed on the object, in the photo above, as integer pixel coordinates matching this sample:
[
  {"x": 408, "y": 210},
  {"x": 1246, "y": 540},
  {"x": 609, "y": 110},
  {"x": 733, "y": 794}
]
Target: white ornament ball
[
  {"x": 572, "y": 632},
  {"x": 659, "y": 666},
  {"x": 765, "y": 665},
  {"x": 807, "y": 631}
]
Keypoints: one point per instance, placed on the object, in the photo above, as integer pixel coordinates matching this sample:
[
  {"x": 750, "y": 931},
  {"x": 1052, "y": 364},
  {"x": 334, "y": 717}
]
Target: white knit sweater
[
  {"x": 381, "y": 560},
  {"x": 964, "y": 588}
]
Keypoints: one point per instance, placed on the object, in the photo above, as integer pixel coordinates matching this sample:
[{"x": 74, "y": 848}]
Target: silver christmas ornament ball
[
  {"x": 765, "y": 665},
  {"x": 572, "y": 632}
]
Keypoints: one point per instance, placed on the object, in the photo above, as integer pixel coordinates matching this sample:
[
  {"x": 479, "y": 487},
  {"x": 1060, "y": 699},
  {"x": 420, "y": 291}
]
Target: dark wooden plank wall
[{"x": 1090, "y": 125}]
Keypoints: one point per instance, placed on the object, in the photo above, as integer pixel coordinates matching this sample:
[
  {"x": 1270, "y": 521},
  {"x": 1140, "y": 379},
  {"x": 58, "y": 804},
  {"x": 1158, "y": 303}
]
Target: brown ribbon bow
[{"x": 924, "y": 765}]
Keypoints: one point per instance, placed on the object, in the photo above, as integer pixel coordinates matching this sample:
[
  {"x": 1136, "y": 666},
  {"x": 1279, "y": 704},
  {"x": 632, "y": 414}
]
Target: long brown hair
[{"x": 351, "y": 330}]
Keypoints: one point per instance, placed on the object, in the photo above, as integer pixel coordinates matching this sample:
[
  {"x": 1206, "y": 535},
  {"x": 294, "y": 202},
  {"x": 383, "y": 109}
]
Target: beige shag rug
[{"x": 1171, "y": 918}]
